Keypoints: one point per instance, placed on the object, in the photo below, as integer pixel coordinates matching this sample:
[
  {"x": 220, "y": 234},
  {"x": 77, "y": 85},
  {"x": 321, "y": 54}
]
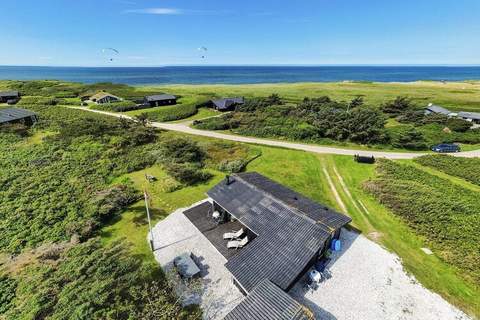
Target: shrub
[
  {"x": 409, "y": 138},
  {"x": 233, "y": 166},
  {"x": 187, "y": 173},
  {"x": 44, "y": 101},
  {"x": 397, "y": 107},
  {"x": 458, "y": 125},
  {"x": 172, "y": 113},
  {"x": 180, "y": 150}
]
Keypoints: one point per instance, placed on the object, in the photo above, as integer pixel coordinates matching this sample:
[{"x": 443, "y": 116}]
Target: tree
[
  {"x": 411, "y": 139},
  {"x": 356, "y": 102},
  {"x": 397, "y": 107}
]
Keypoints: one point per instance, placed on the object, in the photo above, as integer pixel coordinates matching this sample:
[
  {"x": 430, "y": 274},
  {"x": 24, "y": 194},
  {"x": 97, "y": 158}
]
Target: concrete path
[{"x": 184, "y": 128}]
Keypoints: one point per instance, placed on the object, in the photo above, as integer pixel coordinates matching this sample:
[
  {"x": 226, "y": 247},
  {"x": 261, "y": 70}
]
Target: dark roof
[
  {"x": 12, "y": 114},
  {"x": 226, "y": 103},
  {"x": 318, "y": 212},
  {"x": 160, "y": 97},
  {"x": 9, "y": 94},
  {"x": 268, "y": 302},
  {"x": 469, "y": 115},
  {"x": 437, "y": 109},
  {"x": 287, "y": 239}
]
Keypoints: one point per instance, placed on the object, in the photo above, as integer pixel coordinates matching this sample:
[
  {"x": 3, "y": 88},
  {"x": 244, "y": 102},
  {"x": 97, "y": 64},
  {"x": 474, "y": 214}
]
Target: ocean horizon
[{"x": 240, "y": 74}]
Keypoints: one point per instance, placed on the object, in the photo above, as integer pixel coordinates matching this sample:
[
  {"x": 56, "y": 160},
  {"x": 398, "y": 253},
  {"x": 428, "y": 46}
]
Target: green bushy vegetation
[
  {"x": 121, "y": 106},
  {"x": 465, "y": 168},
  {"x": 323, "y": 119},
  {"x": 446, "y": 214},
  {"x": 172, "y": 113},
  {"x": 85, "y": 281}
]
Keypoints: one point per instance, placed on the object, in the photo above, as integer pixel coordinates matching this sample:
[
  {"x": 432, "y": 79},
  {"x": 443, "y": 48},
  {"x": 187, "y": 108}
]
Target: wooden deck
[{"x": 201, "y": 218}]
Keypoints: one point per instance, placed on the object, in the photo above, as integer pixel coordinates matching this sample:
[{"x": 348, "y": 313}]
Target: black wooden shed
[
  {"x": 17, "y": 115},
  {"x": 160, "y": 100}
]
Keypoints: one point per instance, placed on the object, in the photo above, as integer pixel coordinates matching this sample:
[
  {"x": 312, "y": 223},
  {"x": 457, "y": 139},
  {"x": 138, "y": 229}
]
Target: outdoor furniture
[
  {"x": 186, "y": 266},
  {"x": 150, "y": 178},
  {"x": 233, "y": 235},
  {"x": 236, "y": 244},
  {"x": 216, "y": 215},
  {"x": 315, "y": 276}
]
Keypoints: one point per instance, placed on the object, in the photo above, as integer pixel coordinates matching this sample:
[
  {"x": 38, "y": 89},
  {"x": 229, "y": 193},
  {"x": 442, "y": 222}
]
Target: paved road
[{"x": 184, "y": 127}]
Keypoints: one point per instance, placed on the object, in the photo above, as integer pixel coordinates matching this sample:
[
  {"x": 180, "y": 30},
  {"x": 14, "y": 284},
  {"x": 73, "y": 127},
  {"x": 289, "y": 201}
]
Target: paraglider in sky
[
  {"x": 111, "y": 53},
  {"x": 203, "y": 52}
]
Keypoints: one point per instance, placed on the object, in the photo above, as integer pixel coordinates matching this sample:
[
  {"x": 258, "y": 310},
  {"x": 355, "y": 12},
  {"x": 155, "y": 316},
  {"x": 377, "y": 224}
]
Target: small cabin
[
  {"x": 227, "y": 104},
  {"x": 17, "y": 115},
  {"x": 470, "y": 116},
  {"x": 10, "y": 97},
  {"x": 104, "y": 97},
  {"x": 160, "y": 100}
]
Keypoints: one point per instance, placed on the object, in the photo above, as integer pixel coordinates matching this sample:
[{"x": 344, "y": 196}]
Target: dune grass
[{"x": 454, "y": 95}]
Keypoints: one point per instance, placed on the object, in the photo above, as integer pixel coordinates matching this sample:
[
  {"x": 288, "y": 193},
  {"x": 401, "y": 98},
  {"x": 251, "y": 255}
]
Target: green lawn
[
  {"x": 201, "y": 114},
  {"x": 303, "y": 172}
]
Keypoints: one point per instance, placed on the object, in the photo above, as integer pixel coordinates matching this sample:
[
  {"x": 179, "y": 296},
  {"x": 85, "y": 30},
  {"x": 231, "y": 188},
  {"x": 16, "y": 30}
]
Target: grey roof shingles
[
  {"x": 287, "y": 239},
  {"x": 160, "y": 97},
  {"x": 437, "y": 109},
  {"x": 268, "y": 302},
  {"x": 226, "y": 103},
  {"x": 469, "y": 115},
  {"x": 12, "y": 114},
  {"x": 9, "y": 94}
]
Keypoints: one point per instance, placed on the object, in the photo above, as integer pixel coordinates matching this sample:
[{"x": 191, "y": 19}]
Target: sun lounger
[
  {"x": 236, "y": 244},
  {"x": 233, "y": 235}
]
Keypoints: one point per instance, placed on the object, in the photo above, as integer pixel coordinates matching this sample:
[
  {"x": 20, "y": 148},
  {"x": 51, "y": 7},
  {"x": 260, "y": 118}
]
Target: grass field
[
  {"x": 454, "y": 95},
  {"x": 304, "y": 172}
]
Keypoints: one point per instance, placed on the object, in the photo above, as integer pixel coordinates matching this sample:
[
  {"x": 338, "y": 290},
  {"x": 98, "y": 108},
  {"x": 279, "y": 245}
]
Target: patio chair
[
  {"x": 233, "y": 235},
  {"x": 236, "y": 244}
]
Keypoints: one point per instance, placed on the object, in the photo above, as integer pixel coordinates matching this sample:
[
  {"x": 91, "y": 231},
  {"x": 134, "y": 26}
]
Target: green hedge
[{"x": 172, "y": 113}]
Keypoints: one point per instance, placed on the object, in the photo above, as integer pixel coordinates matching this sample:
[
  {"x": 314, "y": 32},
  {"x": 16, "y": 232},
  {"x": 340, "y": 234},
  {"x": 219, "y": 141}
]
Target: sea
[{"x": 241, "y": 74}]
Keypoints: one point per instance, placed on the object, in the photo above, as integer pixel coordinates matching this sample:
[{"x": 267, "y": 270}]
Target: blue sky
[{"x": 246, "y": 32}]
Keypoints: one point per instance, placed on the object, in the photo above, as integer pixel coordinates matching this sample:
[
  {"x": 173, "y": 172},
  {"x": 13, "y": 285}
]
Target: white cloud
[
  {"x": 176, "y": 11},
  {"x": 159, "y": 11}
]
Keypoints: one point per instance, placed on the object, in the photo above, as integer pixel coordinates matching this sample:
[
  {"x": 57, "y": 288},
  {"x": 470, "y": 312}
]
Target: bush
[
  {"x": 187, "y": 173},
  {"x": 43, "y": 101},
  {"x": 121, "y": 106},
  {"x": 409, "y": 138},
  {"x": 398, "y": 106},
  {"x": 180, "y": 150},
  {"x": 224, "y": 122},
  {"x": 458, "y": 125},
  {"x": 172, "y": 113},
  {"x": 233, "y": 166}
]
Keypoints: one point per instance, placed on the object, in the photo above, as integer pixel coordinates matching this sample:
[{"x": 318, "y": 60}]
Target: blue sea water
[{"x": 241, "y": 74}]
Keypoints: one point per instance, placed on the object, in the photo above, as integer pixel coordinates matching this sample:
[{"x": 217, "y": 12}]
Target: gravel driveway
[{"x": 368, "y": 282}]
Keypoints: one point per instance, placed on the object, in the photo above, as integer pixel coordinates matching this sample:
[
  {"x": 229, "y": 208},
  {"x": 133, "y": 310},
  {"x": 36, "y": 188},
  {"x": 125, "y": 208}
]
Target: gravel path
[
  {"x": 175, "y": 235},
  {"x": 368, "y": 282},
  {"x": 183, "y": 127}
]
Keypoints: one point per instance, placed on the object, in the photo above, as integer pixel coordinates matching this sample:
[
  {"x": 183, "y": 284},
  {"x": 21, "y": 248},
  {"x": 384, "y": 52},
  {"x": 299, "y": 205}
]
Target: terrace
[{"x": 201, "y": 217}]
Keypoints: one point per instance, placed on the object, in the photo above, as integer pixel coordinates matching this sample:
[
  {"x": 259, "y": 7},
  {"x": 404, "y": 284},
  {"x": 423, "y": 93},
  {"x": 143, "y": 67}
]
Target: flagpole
[{"x": 149, "y": 220}]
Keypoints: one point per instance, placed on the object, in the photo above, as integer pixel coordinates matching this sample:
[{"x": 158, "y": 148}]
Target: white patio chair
[
  {"x": 233, "y": 235},
  {"x": 236, "y": 244}
]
